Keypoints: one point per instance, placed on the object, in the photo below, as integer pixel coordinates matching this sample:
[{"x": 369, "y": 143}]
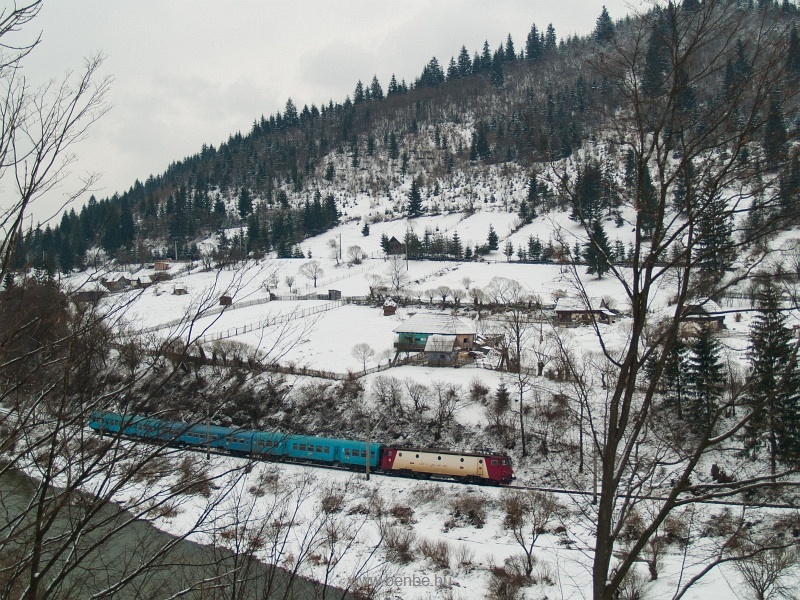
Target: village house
[
  {"x": 141, "y": 281},
  {"x": 574, "y": 311},
  {"x": 413, "y": 334},
  {"x": 396, "y": 246},
  {"x": 116, "y": 282}
]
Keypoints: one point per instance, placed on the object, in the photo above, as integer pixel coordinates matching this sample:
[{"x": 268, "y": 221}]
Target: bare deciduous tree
[
  {"x": 355, "y": 255},
  {"x": 312, "y": 271},
  {"x": 363, "y": 352},
  {"x": 397, "y": 273},
  {"x": 528, "y": 515},
  {"x": 681, "y": 123}
]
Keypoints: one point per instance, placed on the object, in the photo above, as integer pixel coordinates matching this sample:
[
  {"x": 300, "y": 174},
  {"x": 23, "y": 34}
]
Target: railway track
[{"x": 553, "y": 490}]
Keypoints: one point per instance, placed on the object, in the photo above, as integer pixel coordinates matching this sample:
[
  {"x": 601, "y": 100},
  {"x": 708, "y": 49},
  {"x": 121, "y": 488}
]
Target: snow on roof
[
  {"x": 707, "y": 306},
  {"x": 433, "y": 323},
  {"x": 117, "y": 276},
  {"x": 579, "y": 304},
  {"x": 440, "y": 343}
]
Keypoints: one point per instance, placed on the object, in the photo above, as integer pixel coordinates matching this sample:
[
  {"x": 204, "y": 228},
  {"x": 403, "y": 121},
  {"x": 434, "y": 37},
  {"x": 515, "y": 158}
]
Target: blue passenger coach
[{"x": 242, "y": 442}]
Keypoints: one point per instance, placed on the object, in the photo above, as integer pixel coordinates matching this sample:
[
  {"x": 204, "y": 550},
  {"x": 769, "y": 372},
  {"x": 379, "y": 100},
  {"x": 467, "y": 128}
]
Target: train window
[
  {"x": 372, "y": 454},
  {"x": 494, "y": 463},
  {"x": 363, "y": 454},
  {"x": 319, "y": 448},
  {"x": 347, "y": 452},
  {"x": 327, "y": 449},
  {"x": 302, "y": 447},
  {"x": 294, "y": 446}
]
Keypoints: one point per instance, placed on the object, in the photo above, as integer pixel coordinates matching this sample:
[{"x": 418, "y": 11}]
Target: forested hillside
[{"x": 522, "y": 104}]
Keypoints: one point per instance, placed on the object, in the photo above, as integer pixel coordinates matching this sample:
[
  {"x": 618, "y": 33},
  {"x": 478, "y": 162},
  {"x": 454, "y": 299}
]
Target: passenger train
[{"x": 470, "y": 467}]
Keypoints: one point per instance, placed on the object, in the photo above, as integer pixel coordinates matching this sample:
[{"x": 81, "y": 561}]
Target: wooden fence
[{"x": 269, "y": 322}]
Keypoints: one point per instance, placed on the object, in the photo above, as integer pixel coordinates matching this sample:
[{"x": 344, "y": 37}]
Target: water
[{"x": 136, "y": 562}]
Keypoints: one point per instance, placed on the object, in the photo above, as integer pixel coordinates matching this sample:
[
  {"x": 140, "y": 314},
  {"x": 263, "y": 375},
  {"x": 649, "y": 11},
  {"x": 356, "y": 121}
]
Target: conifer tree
[
  {"x": 793, "y": 52},
  {"x": 533, "y": 45},
  {"x": 393, "y": 150},
  {"x": 492, "y": 241},
  {"x": 510, "y": 52},
  {"x": 773, "y": 385},
  {"x": 414, "y": 207},
  {"x": 245, "y": 204},
  {"x": 456, "y": 249},
  {"x": 375, "y": 89},
  {"x": 464, "y": 62},
  {"x": 604, "y": 27},
  {"x": 358, "y": 93},
  {"x": 550, "y": 42},
  {"x": 774, "y": 136},
  {"x": 597, "y": 251},
  {"x": 704, "y": 379},
  {"x": 714, "y": 247}
]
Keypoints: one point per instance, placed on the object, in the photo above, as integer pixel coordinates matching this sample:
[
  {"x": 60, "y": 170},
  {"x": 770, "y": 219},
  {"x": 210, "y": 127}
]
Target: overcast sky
[{"x": 192, "y": 72}]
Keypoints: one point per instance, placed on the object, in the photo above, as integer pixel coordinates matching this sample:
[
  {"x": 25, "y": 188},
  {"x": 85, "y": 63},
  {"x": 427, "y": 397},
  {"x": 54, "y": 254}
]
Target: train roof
[{"x": 453, "y": 452}]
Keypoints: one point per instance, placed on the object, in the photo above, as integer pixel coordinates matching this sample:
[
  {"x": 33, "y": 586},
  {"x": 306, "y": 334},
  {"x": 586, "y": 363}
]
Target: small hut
[
  {"x": 389, "y": 307},
  {"x": 441, "y": 350}
]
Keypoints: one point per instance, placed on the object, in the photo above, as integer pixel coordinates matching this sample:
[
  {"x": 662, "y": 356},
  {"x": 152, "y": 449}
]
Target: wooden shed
[{"x": 441, "y": 350}]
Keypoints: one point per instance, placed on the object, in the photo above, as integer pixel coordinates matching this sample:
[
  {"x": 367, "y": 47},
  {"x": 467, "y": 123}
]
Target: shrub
[
  {"x": 437, "y": 552},
  {"x": 469, "y": 508},
  {"x": 399, "y": 544},
  {"x": 403, "y": 514},
  {"x": 464, "y": 555},
  {"x": 504, "y": 585},
  {"x": 332, "y": 502}
]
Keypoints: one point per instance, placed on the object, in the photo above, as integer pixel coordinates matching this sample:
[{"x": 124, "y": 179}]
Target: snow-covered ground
[{"x": 325, "y": 333}]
